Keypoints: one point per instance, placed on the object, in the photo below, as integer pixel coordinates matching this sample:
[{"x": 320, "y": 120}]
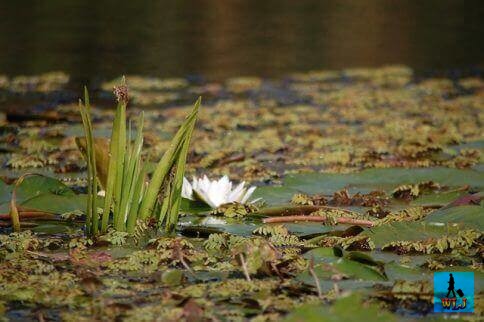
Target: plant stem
[
  {"x": 28, "y": 214},
  {"x": 244, "y": 267},
  {"x": 119, "y": 220},
  {"x": 340, "y": 220},
  {"x": 315, "y": 277},
  {"x": 14, "y": 213},
  {"x": 187, "y": 267}
]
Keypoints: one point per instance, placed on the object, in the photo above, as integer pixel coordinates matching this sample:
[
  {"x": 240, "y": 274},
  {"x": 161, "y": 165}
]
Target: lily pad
[
  {"x": 52, "y": 228},
  {"x": 43, "y": 194},
  {"x": 469, "y": 216},
  {"x": 347, "y": 265},
  {"x": 321, "y": 255},
  {"x": 436, "y": 199},
  {"x": 412, "y": 261},
  {"x": 395, "y": 271},
  {"x": 58, "y": 204},
  {"x": 407, "y": 231},
  {"x": 31, "y": 187},
  {"x": 193, "y": 207},
  {"x": 366, "y": 181},
  {"x": 349, "y": 309},
  {"x": 301, "y": 229}
]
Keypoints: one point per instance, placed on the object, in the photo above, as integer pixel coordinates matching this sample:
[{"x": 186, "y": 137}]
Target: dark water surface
[{"x": 92, "y": 39}]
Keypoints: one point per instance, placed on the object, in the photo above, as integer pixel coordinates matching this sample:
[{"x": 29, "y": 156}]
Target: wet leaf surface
[
  {"x": 469, "y": 216},
  {"x": 349, "y": 309}
]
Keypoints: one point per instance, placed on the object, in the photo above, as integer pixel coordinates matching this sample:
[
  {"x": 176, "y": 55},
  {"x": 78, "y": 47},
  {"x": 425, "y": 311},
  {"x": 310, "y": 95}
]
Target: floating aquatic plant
[
  {"x": 216, "y": 192},
  {"x": 372, "y": 121},
  {"x": 128, "y": 194}
]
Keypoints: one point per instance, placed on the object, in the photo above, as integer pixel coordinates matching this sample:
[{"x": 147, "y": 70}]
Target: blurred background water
[{"x": 99, "y": 39}]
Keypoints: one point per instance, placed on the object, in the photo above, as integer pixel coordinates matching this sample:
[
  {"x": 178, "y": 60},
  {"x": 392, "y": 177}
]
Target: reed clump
[{"x": 130, "y": 195}]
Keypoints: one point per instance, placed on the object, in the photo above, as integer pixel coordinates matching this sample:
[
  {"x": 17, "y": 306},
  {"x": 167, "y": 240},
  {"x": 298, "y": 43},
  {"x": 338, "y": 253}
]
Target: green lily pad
[
  {"x": 367, "y": 180},
  {"x": 395, "y": 271},
  {"x": 321, "y": 255},
  {"x": 357, "y": 270},
  {"x": 39, "y": 185},
  {"x": 350, "y": 265},
  {"x": 301, "y": 229},
  {"x": 43, "y": 194},
  {"x": 470, "y": 216},
  {"x": 193, "y": 207},
  {"x": 51, "y": 228},
  {"x": 413, "y": 261},
  {"x": 407, "y": 231},
  {"x": 31, "y": 187},
  {"x": 439, "y": 199},
  {"x": 58, "y": 204},
  {"x": 348, "y": 309}
]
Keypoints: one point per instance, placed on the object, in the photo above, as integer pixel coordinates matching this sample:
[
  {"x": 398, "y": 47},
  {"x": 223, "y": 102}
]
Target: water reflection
[{"x": 100, "y": 39}]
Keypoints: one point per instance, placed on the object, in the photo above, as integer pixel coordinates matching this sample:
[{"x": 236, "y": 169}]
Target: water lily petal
[
  {"x": 187, "y": 191},
  {"x": 237, "y": 194},
  {"x": 216, "y": 192},
  {"x": 247, "y": 195}
]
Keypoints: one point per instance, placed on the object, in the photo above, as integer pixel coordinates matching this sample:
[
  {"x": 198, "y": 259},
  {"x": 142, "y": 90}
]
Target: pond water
[{"x": 219, "y": 39}]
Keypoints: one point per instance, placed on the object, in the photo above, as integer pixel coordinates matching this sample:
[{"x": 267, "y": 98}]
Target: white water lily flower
[{"x": 216, "y": 192}]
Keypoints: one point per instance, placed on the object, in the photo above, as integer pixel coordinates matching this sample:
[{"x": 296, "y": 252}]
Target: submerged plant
[{"x": 129, "y": 196}]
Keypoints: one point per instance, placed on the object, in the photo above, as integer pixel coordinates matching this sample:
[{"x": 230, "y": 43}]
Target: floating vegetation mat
[{"x": 370, "y": 180}]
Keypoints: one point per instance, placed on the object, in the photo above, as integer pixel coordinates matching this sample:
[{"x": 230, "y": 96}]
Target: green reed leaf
[{"x": 166, "y": 163}]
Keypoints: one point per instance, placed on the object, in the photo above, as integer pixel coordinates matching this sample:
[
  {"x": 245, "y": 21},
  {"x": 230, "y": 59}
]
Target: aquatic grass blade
[
  {"x": 121, "y": 152},
  {"x": 92, "y": 219},
  {"x": 166, "y": 163},
  {"x": 92, "y": 161},
  {"x": 111, "y": 178},
  {"x": 175, "y": 201},
  {"x": 136, "y": 200},
  {"x": 127, "y": 194},
  {"x": 173, "y": 185},
  {"x": 175, "y": 193},
  {"x": 133, "y": 165},
  {"x": 89, "y": 187},
  {"x": 166, "y": 201}
]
